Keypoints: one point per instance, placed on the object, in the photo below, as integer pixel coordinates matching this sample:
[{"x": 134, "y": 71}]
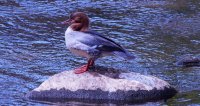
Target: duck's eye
[{"x": 78, "y": 21}]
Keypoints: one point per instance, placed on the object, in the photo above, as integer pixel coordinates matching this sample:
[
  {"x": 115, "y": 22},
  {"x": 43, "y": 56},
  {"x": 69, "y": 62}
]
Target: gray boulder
[{"x": 102, "y": 84}]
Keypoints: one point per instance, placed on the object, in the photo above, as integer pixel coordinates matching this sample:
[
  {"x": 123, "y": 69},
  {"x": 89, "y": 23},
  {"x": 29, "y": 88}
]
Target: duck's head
[{"x": 78, "y": 21}]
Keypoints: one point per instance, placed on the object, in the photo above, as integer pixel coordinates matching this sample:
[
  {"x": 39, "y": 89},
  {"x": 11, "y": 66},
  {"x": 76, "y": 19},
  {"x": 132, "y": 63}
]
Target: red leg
[
  {"x": 84, "y": 68},
  {"x": 91, "y": 62}
]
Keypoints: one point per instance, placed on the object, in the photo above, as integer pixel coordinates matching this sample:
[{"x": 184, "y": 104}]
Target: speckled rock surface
[{"x": 103, "y": 84}]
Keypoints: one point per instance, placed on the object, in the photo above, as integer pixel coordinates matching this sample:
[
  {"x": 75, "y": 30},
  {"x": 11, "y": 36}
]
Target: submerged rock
[
  {"x": 102, "y": 84},
  {"x": 188, "y": 61}
]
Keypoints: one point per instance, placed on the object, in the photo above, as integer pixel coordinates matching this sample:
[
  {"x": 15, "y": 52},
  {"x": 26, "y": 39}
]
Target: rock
[
  {"x": 188, "y": 61},
  {"x": 102, "y": 84}
]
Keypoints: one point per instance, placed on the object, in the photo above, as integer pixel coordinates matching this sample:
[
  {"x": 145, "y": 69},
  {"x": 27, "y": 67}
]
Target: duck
[{"x": 81, "y": 41}]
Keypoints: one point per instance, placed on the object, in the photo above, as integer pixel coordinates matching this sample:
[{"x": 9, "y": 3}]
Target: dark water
[{"x": 32, "y": 44}]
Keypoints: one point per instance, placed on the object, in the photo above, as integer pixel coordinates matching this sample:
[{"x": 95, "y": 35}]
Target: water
[{"x": 157, "y": 32}]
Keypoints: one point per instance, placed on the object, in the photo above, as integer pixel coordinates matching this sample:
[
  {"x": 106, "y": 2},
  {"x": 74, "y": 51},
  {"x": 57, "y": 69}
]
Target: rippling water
[{"x": 32, "y": 44}]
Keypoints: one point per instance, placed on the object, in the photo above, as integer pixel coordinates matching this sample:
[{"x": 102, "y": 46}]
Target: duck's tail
[{"x": 126, "y": 55}]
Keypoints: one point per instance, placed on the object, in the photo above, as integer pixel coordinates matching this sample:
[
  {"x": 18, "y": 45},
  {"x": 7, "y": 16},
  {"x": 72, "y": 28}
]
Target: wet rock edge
[{"x": 99, "y": 96}]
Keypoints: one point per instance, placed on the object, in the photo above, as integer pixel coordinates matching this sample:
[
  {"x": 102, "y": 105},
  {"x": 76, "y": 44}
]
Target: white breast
[{"x": 74, "y": 45}]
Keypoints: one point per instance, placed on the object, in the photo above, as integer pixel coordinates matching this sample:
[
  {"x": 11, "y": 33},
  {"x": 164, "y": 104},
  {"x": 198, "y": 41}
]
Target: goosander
[{"x": 83, "y": 42}]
